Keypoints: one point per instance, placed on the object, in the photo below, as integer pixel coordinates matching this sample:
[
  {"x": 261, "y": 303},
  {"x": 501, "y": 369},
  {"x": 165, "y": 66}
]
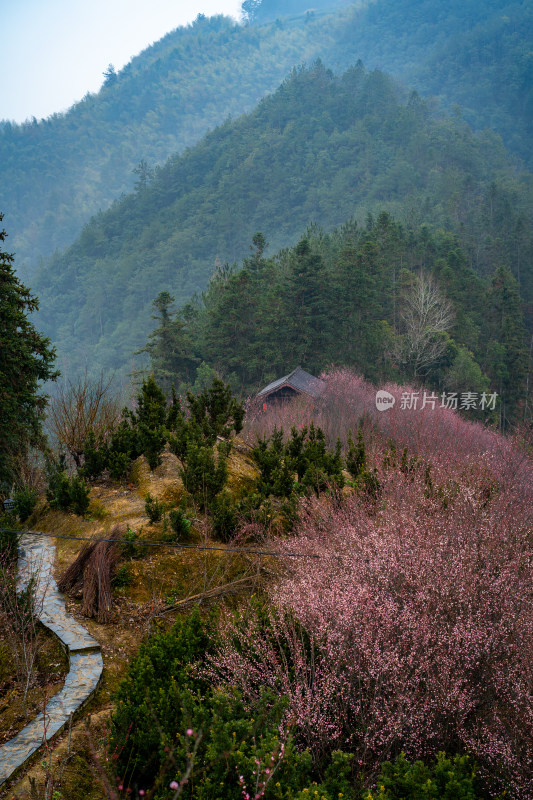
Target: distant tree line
[{"x": 391, "y": 303}]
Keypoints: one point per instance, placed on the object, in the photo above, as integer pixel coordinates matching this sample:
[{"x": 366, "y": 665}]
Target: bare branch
[{"x": 79, "y": 408}]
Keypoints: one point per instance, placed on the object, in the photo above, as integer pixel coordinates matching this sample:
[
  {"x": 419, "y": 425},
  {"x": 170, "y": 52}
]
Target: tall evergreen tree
[
  {"x": 169, "y": 346},
  {"x": 305, "y": 307},
  {"x": 343, "y": 297},
  {"x": 26, "y": 360},
  {"x": 358, "y": 305},
  {"x": 507, "y": 355},
  {"x": 150, "y": 420},
  {"x": 232, "y": 315}
]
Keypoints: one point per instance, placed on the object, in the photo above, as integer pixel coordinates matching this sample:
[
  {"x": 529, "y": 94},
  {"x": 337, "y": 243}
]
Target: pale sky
[{"x": 54, "y": 51}]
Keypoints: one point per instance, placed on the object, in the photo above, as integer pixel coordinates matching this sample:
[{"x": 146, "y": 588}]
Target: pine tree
[
  {"x": 150, "y": 419},
  {"x": 305, "y": 300},
  {"x": 26, "y": 360},
  {"x": 231, "y": 324},
  {"x": 169, "y": 346},
  {"x": 508, "y": 335},
  {"x": 356, "y": 457}
]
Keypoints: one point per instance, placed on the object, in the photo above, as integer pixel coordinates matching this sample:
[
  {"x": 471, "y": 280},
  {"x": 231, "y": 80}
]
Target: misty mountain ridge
[
  {"x": 55, "y": 173},
  {"x": 321, "y": 149}
]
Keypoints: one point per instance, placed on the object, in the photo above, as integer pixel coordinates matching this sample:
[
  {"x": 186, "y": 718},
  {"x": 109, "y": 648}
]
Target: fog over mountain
[{"x": 57, "y": 172}]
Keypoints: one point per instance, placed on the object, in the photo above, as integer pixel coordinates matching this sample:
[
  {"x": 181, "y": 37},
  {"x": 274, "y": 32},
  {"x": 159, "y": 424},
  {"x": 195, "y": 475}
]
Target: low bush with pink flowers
[{"x": 412, "y": 629}]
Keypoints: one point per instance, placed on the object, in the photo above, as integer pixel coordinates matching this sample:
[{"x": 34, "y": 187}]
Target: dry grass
[
  {"x": 68, "y": 762},
  {"x": 164, "y": 482},
  {"x": 242, "y": 472},
  {"x": 51, "y": 668}
]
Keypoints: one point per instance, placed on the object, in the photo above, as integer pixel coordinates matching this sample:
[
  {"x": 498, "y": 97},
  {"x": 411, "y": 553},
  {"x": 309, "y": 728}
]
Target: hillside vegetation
[
  {"x": 371, "y": 633},
  {"x": 56, "y": 173},
  {"x": 476, "y": 56},
  {"x": 325, "y": 597},
  {"x": 322, "y": 149}
]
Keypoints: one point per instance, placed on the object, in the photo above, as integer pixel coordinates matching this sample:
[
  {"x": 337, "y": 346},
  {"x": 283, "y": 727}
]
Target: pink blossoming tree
[{"x": 413, "y": 630}]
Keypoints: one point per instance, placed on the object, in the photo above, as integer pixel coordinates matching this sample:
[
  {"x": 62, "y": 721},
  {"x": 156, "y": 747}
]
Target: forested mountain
[
  {"x": 321, "y": 149},
  {"x": 56, "y": 173},
  {"x": 355, "y": 298},
  {"x": 476, "y": 55}
]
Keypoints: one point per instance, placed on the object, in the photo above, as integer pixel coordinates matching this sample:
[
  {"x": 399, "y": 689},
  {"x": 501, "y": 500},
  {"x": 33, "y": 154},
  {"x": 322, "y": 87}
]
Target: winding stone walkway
[{"x": 36, "y": 557}]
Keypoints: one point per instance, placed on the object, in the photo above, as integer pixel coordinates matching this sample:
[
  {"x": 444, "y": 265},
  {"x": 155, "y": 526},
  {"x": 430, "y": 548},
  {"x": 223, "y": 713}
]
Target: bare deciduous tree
[
  {"x": 79, "y": 408},
  {"x": 425, "y": 316}
]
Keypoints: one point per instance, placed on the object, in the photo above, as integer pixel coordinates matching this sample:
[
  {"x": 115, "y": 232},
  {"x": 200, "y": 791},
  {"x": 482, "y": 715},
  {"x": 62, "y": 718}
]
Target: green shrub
[
  {"x": 64, "y": 493},
  {"x": 122, "y": 577},
  {"x": 214, "y": 412},
  {"x": 289, "y": 512},
  {"x": 165, "y": 707},
  {"x": 151, "y": 444},
  {"x": 123, "y": 448},
  {"x": 225, "y": 517},
  {"x": 132, "y": 545},
  {"x": 25, "y": 500},
  {"x": 268, "y": 454},
  {"x": 211, "y": 414},
  {"x": 155, "y": 701},
  {"x": 304, "y": 456},
  {"x": 118, "y": 465},
  {"x": 356, "y": 456},
  {"x": 58, "y": 491},
  {"x": 95, "y": 455},
  {"x": 180, "y": 525},
  {"x": 203, "y": 474},
  {"x": 445, "y": 778},
  {"x": 323, "y": 467},
  {"x": 149, "y": 422},
  {"x": 153, "y": 508},
  {"x": 79, "y": 495}
]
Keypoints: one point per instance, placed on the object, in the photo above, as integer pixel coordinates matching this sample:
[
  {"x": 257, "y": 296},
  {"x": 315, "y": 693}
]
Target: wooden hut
[{"x": 295, "y": 383}]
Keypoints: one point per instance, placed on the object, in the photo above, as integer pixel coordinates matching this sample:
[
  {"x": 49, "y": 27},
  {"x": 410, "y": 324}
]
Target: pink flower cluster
[{"x": 414, "y": 629}]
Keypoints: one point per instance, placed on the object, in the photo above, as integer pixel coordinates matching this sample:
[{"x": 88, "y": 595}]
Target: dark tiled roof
[{"x": 298, "y": 379}]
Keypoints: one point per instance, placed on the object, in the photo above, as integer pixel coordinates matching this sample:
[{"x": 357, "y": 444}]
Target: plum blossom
[{"x": 413, "y": 630}]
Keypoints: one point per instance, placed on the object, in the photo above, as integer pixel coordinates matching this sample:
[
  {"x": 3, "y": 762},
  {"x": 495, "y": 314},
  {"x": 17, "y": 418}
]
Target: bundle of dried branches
[
  {"x": 92, "y": 572},
  {"x": 97, "y": 601},
  {"x": 72, "y": 579}
]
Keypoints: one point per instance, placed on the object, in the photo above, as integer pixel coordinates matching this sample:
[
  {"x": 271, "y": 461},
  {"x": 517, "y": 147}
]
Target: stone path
[{"x": 36, "y": 557}]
